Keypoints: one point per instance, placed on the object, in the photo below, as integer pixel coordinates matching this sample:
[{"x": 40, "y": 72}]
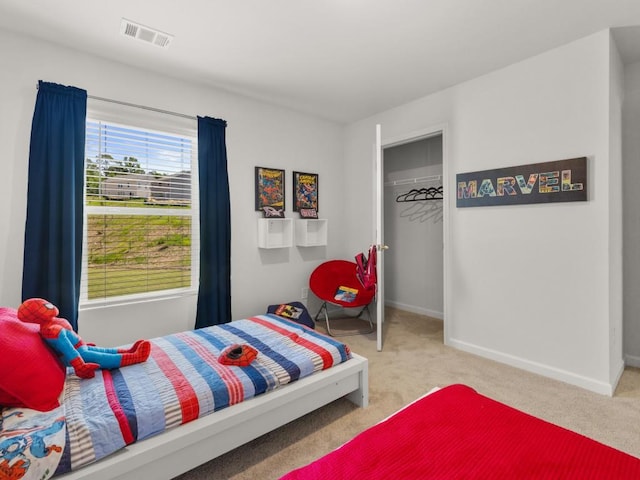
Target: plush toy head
[{"x": 37, "y": 310}]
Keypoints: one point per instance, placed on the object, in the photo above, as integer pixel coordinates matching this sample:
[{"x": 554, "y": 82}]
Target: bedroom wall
[
  {"x": 257, "y": 134},
  {"x": 631, "y": 180},
  {"x": 526, "y": 285},
  {"x": 413, "y": 263}
]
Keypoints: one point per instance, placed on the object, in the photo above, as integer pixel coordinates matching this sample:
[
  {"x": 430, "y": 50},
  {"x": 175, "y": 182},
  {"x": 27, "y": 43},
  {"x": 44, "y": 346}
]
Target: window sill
[{"x": 136, "y": 299}]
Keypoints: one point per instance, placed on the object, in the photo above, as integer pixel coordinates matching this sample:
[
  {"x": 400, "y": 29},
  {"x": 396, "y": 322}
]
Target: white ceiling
[{"x": 339, "y": 59}]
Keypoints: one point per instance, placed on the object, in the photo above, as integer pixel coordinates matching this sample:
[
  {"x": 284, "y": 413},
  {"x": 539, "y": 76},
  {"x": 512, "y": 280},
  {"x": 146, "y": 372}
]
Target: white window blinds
[{"x": 141, "y": 223}]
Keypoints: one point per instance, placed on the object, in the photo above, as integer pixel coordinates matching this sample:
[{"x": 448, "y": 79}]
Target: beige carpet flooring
[{"x": 413, "y": 361}]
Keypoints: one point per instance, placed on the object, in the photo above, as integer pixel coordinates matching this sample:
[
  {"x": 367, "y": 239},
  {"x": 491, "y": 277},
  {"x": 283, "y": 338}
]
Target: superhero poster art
[
  {"x": 305, "y": 192},
  {"x": 270, "y": 199}
]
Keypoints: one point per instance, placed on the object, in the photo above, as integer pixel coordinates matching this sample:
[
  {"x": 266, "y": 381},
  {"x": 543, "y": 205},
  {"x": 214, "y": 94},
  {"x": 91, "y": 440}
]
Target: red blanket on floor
[{"x": 456, "y": 433}]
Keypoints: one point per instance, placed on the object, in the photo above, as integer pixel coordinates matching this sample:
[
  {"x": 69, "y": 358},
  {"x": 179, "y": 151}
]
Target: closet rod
[{"x": 143, "y": 107}]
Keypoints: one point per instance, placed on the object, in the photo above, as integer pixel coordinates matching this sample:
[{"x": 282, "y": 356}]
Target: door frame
[{"x": 409, "y": 137}]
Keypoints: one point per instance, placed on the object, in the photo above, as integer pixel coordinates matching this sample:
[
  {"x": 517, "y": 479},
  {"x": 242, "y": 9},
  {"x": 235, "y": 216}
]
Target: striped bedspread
[{"x": 182, "y": 381}]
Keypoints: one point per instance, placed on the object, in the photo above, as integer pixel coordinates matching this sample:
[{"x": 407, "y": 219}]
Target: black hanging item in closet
[{"x": 415, "y": 195}]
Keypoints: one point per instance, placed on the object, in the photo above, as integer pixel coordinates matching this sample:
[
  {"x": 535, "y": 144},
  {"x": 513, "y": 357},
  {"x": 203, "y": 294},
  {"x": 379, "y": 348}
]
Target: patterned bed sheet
[
  {"x": 181, "y": 381},
  {"x": 31, "y": 443}
]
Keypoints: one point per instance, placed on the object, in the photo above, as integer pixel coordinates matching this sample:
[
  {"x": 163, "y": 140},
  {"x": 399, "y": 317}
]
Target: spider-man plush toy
[{"x": 73, "y": 351}]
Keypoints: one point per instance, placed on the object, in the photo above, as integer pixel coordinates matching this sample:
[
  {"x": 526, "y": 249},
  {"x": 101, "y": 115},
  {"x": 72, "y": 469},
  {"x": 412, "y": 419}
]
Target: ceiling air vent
[{"x": 145, "y": 34}]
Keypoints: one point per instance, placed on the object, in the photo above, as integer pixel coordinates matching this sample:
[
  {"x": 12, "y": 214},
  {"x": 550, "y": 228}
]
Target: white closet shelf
[{"x": 409, "y": 181}]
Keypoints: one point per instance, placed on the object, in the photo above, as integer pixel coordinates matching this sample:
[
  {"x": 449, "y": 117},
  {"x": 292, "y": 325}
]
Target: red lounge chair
[{"x": 326, "y": 282}]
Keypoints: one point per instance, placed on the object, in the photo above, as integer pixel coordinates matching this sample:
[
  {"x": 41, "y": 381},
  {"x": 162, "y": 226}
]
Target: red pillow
[{"x": 30, "y": 374}]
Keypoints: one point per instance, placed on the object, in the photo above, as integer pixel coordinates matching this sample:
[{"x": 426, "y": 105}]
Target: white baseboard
[
  {"x": 632, "y": 361},
  {"x": 538, "y": 368},
  {"x": 414, "y": 309}
]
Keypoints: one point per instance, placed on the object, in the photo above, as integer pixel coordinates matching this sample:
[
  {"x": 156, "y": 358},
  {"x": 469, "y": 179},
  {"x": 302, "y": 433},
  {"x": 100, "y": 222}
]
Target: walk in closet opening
[{"x": 413, "y": 226}]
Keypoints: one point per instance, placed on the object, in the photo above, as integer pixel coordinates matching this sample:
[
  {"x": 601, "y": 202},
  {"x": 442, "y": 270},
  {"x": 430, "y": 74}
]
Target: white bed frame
[{"x": 185, "y": 447}]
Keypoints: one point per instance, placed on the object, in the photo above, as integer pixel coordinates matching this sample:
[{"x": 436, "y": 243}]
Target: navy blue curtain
[
  {"x": 53, "y": 230},
  {"x": 214, "y": 295}
]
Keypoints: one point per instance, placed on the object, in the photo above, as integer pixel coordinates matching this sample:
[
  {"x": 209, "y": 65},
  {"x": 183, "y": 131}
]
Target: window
[{"x": 141, "y": 235}]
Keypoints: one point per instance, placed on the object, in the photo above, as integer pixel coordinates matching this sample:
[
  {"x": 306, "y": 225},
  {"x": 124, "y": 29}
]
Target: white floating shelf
[
  {"x": 311, "y": 232},
  {"x": 275, "y": 232}
]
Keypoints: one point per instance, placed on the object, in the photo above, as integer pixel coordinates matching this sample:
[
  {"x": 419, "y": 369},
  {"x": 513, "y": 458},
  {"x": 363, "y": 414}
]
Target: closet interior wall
[{"x": 413, "y": 230}]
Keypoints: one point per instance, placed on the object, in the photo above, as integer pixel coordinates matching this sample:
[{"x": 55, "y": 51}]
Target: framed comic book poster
[
  {"x": 270, "y": 199},
  {"x": 305, "y": 193}
]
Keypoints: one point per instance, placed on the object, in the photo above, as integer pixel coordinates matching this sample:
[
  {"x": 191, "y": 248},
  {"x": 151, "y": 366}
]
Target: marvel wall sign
[{"x": 558, "y": 181}]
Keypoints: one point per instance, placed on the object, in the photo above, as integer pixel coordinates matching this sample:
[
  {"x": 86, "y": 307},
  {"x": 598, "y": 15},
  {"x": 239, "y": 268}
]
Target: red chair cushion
[{"x": 329, "y": 276}]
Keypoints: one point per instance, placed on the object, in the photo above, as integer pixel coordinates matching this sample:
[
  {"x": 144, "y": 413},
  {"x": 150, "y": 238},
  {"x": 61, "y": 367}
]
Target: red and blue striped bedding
[{"x": 182, "y": 381}]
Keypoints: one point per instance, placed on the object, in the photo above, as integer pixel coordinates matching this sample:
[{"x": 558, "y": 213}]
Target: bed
[
  {"x": 181, "y": 407},
  {"x": 457, "y": 433}
]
